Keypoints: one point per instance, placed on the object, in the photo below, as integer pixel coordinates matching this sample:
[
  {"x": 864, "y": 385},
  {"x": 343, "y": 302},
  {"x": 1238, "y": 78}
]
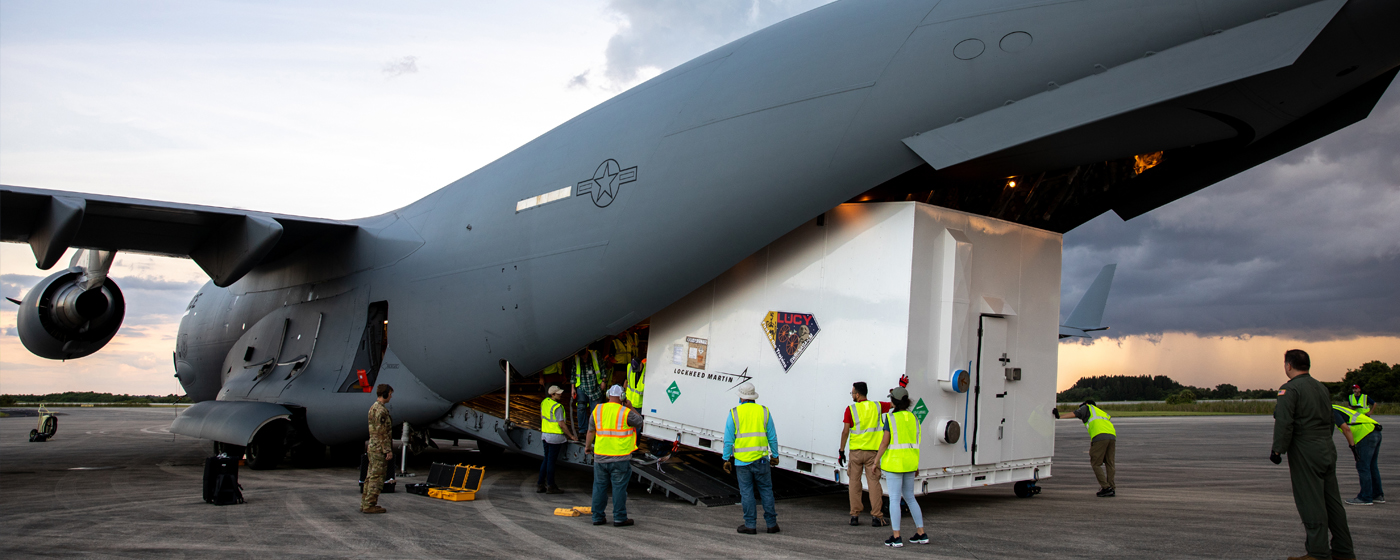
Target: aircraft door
[{"x": 989, "y": 388}]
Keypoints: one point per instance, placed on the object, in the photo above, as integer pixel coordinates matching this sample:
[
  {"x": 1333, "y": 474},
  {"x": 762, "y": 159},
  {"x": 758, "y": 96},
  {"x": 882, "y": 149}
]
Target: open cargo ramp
[{"x": 690, "y": 475}]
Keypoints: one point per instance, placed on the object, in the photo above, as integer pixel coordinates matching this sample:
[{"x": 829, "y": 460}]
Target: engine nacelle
[{"x": 60, "y": 320}]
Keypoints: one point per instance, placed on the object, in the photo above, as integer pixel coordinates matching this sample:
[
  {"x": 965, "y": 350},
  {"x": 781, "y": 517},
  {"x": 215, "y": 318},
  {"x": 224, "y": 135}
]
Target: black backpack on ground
[
  {"x": 221, "y": 481},
  {"x": 391, "y": 472}
]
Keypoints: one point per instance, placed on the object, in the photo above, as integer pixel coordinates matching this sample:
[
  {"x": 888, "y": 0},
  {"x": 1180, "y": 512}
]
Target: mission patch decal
[{"x": 789, "y": 334}]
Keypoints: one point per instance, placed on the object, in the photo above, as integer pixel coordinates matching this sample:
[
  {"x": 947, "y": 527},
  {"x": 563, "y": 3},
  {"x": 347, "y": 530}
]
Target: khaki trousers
[
  {"x": 864, "y": 460},
  {"x": 1101, "y": 453}
]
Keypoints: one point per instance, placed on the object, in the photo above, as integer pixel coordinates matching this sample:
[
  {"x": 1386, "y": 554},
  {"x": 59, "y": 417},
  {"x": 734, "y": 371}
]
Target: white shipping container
[{"x": 870, "y": 292}]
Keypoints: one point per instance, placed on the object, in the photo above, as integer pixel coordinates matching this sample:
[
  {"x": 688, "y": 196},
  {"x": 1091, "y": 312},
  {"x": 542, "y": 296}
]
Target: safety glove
[
  {"x": 904, "y": 380},
  {"x": 729, "y": 467},
  {"x": 773, "y": 461},
  {"x": 841, "y": 454},
  {"x": 1275, "y": 457},
  {"x": 1354, "y": 454},
  {"x": 1055, "y": 412}
]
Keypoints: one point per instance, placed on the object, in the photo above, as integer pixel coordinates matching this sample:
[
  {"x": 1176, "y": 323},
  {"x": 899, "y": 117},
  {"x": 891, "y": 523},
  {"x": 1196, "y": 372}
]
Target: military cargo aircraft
[{"x": 1045, "y": 113}]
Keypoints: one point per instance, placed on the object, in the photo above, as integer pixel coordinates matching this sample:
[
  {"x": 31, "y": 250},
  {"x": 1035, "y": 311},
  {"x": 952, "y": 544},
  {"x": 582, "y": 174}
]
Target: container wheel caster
[{"x": 1026, "y": 489}]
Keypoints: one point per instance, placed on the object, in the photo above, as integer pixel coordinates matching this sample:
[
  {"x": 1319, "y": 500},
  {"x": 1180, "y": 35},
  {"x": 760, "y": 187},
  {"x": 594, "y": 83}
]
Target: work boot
[
  {"x": 553, "y": 490},
  {"x": 748, "y": 530},
  {"x": 374, "y": 509},
  {"x": 878, "y": 522},
  {"x": 774, "y": 529},
  {"x": 1106, "y": 493},
  {"x": 539, "y": 489},
  {"x": 624, "y": 523},
  {"x": 855, "y": 521},
  {"x": 603, "y": 521}
]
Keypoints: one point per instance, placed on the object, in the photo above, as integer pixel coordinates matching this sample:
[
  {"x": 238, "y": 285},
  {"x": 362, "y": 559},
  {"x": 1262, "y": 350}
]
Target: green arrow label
[
  {"x": 920, "y": 411},
  {"x": 674, "y": 391}
]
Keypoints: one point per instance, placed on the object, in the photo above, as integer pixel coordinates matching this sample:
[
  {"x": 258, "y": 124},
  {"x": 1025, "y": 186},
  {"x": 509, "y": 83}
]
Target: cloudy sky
[{"x": 346, "y": 109}]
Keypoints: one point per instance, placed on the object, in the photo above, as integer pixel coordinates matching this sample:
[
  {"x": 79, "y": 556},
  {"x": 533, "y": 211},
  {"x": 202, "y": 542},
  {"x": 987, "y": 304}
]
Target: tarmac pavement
[{"x": 115, "y": 483}]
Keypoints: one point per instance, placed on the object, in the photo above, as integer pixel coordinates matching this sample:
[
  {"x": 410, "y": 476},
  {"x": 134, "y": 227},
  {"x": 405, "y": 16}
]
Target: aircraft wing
[
  {"x": 225, "y": 242},
  {"x": 1234, "y": 54}
]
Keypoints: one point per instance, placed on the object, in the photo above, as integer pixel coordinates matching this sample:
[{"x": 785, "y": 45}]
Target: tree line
[
  {"x": 1380, "y": 381},
  {"x": 89, "y": 397}
]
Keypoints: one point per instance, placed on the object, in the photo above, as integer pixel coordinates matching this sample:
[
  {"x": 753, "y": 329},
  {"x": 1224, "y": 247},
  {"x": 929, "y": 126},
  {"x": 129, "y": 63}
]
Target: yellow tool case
[{"x": 455, "y": 483}]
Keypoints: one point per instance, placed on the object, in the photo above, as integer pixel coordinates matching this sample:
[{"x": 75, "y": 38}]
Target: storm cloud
[{"x": 1306, "y": 246}]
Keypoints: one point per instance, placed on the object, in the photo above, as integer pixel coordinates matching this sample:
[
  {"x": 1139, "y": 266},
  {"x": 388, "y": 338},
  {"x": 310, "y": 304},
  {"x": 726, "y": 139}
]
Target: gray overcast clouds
[
  {"x": 1306, "y": 246},
  {"x": 662, "y": 35}
]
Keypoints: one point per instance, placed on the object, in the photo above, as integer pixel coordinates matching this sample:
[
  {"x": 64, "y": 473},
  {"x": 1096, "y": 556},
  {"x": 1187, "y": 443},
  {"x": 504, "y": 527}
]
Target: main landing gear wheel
[
  {"x": 1026, "y": 489},
  {"x": 267, "y": 449}
]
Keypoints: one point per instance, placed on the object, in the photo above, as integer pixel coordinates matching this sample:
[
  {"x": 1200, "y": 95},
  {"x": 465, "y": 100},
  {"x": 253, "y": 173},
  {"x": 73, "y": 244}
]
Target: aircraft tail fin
[{"x": 1088, "y": 315}]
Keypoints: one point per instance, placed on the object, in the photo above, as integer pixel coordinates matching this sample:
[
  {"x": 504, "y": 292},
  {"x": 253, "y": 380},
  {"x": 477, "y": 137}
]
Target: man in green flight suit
[
  {"x": 380, "y": 449},
  {"x": 1303, "y": 431}
]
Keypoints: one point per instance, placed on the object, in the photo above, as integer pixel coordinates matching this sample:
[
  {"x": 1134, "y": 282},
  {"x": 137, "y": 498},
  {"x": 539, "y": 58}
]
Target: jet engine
[{"x": 65, "y": 316}]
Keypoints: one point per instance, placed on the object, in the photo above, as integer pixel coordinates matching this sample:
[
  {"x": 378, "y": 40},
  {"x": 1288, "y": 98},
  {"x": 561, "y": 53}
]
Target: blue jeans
[
  {"x": 614, "y": 477},
  {"x": 901, "y": 485},
  {"x": 1368, "y": 467},
  {"x": 551, "y": 457},
  {"x": 757, "y": 476},
  {"x": 585, "y": 413}
]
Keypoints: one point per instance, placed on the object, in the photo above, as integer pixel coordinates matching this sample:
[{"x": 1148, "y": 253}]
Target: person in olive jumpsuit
[{"x": 1303, "y": 431}]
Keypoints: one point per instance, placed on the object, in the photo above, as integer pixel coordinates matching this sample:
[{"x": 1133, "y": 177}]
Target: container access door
[{"x": 990, "y": 390}]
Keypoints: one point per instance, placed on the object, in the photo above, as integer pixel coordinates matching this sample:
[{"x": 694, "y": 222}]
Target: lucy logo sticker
[
  {"x": 790, "y": 334},
  {"x": 606, "y": 181}
]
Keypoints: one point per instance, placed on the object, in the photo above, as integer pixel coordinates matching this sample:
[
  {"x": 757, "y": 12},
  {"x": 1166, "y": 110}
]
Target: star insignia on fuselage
[{"x": 606, "y": 181}]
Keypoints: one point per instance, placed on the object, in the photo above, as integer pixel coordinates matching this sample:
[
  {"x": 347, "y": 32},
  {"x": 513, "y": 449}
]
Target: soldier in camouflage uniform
[
  {"x": 1303, "y": 431},
  {"x": 380, "y": 449}
]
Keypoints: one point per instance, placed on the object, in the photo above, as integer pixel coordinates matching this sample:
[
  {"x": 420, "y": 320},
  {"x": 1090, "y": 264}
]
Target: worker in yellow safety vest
[
  {"x": 1363, "y": 435},
  {"x": 624, "y": 352},
  {"x": 557, "y": 434},
  {"x": 751, "y": 444},
  {"x": 588, "y": 388},
  {"x": 899, "y": 459},
  {"x": 861, "y": 425},
  {"x": 1103, "y": 444},
  {"x": 1358, "y": 400},
  {"x": 611, "y": 440},
  {"x": 636, "y": 383}
]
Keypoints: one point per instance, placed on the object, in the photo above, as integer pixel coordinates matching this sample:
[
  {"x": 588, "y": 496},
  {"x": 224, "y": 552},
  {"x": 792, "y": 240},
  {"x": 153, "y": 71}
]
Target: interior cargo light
[
  {"x": 1011, "y": 184},
  {"x": 1146, "y": 161}
]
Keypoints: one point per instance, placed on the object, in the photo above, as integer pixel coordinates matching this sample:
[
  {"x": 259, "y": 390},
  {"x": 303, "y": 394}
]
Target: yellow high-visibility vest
[
  {"x": 636, "y": 385},
  {"x": 1360, "y": 403},
  {"x": 902, "y": 454},
  {"x": 865, "y": 425},
  {"x": 597, "y": 371},
  {"x": 1361, "y": 424},
  {"x": 624, "y": 347},
  {"x": 612, "y": 435},
  {"x": 750, "y": 432},
  {"x": 551, "y": 414},
  {"x": 1099, "y": 422}
]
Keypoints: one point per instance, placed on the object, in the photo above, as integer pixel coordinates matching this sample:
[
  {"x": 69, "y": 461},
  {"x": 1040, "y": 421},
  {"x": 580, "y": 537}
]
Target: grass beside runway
[{"x": 1221, "y": 408}]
